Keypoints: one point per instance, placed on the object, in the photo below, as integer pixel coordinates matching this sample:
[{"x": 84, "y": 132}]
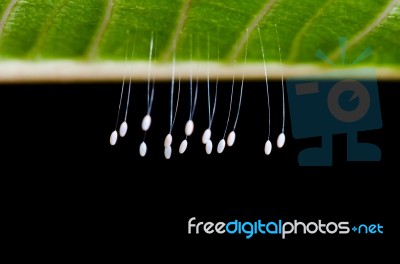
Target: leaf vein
[
  {"x": 6, "y": 14},
  {"x": 177, "y": 31},
  {"x": 43, "y": 34},
  {"x": 251, "y": 26},
  {"x": 294, "y": 50},
  {"x": 368, "y": 29},
  {"x": 94, "y": 45}
]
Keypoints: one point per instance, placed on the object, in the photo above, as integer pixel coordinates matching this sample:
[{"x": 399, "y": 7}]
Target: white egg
[
  {"x": 268, "y": 147},
  {"x": 206, "y": 136},
  {"x": 231, "y": 138},
  {"x": 221, "y": 146},
  {"x": 123, "y": 129},
  {"x": 189, "y": 127},
  {"x": 168, "y": 152},
  {"x": 146, "y": 122},
  {"x": 209, "y": 147},
  {"x": 281, "y": 140},
  {"x": 168, "y": 140},
  {"x": 183, "y": 146},
  {"x": 143, "y": 149},
  {"x": 113, "y": 137}
]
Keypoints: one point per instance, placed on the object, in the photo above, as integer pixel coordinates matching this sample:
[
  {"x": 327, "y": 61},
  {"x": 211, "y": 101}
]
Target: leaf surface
[{"x": 96, "y": 36}]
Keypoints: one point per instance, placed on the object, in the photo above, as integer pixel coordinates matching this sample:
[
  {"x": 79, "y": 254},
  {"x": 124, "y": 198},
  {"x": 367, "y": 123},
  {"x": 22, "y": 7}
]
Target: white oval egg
[
  {"x": 281, "y": 140},
  {"x": 168, "y": 140},
  {"x": 268, "y": 147},
  {"x": 183, "y": 146},
  {"x": 168, "y": 152},
  {"x": 189, "y": 127},
  {"x": 206, "y": 136},
  {"x": 231, "y": 139},
  {"x": 146, "y": 122},
  {"x": 113, "y": 138},
  {"x": 123, "y": 129},
  {"x": 221, "y": 146},
  {"x": 143, "y": 149},
  {"x": 209, "y": 147}
]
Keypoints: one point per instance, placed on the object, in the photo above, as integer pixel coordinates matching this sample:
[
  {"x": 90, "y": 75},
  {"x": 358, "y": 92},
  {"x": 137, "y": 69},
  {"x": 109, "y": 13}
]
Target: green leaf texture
[{"x": 90, "y": 33}]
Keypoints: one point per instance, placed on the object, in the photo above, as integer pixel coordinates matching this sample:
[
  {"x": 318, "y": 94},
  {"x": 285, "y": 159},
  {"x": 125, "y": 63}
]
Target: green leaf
[{"x": 89, "y": 39}]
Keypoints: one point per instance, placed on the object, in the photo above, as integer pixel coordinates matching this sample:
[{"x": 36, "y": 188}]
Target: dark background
[{"x": 65, "y": 184}]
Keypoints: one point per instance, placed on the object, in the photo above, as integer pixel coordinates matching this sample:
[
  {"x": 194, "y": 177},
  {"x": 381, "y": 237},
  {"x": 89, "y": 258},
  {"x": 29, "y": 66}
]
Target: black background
[{"x": 66, "y": 186}]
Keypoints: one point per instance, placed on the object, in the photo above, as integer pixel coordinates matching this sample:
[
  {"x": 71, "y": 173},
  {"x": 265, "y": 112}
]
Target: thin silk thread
[
  {"x": 241, "y": 88},
  {"x": 130, "y": 84},
  {"x": 211, "y": 115},
  {"x": 266, "y": 83},
  {"x": 122, "y": 91},
  {"x": 283, "y": 87}
]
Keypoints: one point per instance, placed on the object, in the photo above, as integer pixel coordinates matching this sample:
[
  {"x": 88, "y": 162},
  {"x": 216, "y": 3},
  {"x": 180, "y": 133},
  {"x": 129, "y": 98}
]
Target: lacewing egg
[
  {"x": 281, "y": 140},
  {"x": 189, "y": 127},
  {"x": 221, "y": 146},
  {"x": 146, "y": 122},
  {"x": 168, "y": 152},
  {"x": 168, "y": 141},
  {"x": 206, "y": 136},
  {"x": 209, "y": 147},
  {"x": 231, "y": 138},
  {"x": 268, "y": 147},
  {"x": 183, "y": 146},
  {"x": 113, "y": 137},
  {"x": 143, "y": 149},
  {"x": 123, "y": 129}
]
